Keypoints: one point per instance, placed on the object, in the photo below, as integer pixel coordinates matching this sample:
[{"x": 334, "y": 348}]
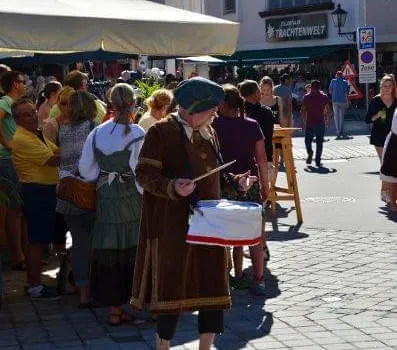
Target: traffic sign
[
  {"x": 367, "y": 66},
  {"x": 348, "y": 70},
  {"x": 366, "y": 38},
  {"x": 354, "y": 92}
]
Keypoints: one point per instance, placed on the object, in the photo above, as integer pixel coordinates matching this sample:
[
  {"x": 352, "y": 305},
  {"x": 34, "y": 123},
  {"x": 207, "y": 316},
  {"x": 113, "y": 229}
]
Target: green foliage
[{"x": 147, "y": 88}]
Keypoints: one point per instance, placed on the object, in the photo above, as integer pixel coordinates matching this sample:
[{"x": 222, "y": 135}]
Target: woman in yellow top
[{"x": 36, "y": 160}]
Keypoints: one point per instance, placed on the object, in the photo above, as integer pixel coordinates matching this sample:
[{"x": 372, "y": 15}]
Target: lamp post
[{"x": 339, "y": 18}]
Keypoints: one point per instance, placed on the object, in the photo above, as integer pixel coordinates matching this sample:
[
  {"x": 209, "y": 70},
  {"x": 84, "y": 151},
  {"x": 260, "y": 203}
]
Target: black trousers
[
  {"x": 208, "y": 322},
  {"x": 318, "y": 132}
]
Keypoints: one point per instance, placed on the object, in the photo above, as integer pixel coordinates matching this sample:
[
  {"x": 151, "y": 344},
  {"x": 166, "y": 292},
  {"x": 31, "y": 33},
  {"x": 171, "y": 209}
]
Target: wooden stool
[{"x": 282, "y": 136}]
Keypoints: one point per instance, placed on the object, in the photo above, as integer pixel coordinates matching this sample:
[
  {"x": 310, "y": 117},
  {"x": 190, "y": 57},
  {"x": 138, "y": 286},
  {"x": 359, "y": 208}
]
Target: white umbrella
[{"x": 128, "y": 26}]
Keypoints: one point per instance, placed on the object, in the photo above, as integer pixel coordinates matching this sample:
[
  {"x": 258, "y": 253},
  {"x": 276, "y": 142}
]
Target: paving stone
[
  {"x": 8, "y": 341},
  {"x": 321, "y": 297},
  {"x": 39, "y": 346},
  {"x": 370, "y": 345},
  {"x": 134, "y": 346},
  {"x": 71, "y": 344},
  {"x": 344, "y": 346}
]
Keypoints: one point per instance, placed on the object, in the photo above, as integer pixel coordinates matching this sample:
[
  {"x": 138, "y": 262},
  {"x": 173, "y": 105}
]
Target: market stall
[{"x": 128, "y": 26}]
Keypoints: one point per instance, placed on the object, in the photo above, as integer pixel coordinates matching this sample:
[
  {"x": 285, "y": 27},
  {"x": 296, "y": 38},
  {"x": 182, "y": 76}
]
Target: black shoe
[
  {"x": 309, "y": 158},
  {"x": 319, "y": 164}
]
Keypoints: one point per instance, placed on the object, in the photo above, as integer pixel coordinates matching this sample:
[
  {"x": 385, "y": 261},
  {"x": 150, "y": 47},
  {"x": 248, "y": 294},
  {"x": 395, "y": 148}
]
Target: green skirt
[{"x": 118, "y": 216}]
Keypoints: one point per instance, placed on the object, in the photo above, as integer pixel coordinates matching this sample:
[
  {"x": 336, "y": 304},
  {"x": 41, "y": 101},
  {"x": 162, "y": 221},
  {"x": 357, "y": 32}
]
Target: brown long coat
[{"x": 171, "y": 275}]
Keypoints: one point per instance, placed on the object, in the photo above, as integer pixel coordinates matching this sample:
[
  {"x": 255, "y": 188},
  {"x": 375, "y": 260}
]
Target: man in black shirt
[{"x": 249, "y": 90}]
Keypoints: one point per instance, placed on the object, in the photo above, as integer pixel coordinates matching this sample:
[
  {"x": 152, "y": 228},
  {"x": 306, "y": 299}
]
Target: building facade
[{"x": 302, "y": 31}]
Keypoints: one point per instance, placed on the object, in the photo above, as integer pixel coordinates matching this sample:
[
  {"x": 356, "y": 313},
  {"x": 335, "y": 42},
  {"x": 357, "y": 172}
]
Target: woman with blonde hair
[
  {"x": 158, "y": 105},
  {"x": 51, "y": 125},
  {"x": 380, "y": 113},
  {"x": 72, "y": 135},
  {"x": 270, "y": 100},
  {"x": 109, "y": 158}
]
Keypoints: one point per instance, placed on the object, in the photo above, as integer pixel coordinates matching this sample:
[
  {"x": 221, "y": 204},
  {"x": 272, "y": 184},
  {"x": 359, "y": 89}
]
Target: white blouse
[{"x": 109, "y": 142}]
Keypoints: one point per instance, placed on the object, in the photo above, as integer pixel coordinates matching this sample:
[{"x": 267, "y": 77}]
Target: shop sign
[{"x": 306, "y": 27}]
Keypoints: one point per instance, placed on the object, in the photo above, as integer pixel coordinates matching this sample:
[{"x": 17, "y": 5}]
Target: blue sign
[
  {"x": 367, "y": 57},
  {"x": 366, "y": 38}
]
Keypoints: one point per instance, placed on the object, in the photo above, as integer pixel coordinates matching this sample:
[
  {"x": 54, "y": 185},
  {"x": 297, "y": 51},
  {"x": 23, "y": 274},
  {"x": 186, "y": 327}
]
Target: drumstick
[{"x": 213, "y": 171}]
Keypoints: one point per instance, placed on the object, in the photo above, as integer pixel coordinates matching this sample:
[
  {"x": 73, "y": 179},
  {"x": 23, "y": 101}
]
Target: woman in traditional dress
[
  {"x": 380, "y": 113},
  {"x": 109, "y": 158},
  {"x": 388, "y": 171}
]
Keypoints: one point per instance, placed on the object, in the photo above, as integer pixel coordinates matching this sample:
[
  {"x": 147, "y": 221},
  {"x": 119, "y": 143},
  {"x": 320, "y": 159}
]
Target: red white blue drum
[{"x": 226, "y": 223}]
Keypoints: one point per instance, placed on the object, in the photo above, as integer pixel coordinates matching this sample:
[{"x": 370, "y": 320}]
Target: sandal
[
  {"x": 112, "y": 318},
  {"x": 122, "y": 317}
]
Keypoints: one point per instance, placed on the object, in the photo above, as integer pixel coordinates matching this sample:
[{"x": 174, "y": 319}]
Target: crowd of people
[{"x": 130, "y": 249}]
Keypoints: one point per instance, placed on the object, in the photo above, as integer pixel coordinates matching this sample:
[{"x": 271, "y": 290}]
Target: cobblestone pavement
[
  {"x": 356, "y": 147},
  {"x": 326, "y": 290}
]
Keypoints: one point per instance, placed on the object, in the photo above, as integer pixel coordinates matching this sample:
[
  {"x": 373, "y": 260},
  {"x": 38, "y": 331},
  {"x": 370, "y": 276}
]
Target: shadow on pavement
[
  {"x": 385, "y": 210},
  {"x": 248, "y": 318},
  {"x": 320, "y": 170},
  {"x": 279, "y": 231},
  {"x": 289, "y": 235}
]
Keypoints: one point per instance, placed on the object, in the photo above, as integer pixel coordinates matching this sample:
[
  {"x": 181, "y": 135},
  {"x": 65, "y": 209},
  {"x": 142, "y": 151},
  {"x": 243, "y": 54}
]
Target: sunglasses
[
  {"x": 21, "y": 81},
  {"x": 63, "y": 103}
]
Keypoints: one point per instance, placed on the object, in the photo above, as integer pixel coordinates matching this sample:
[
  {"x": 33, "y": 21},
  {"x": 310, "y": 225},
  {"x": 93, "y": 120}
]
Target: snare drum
[{"x": 226, "y": 223}]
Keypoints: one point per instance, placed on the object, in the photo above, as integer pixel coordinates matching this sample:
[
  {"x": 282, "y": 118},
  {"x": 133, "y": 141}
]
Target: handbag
[
  {"x": 80, "y": 193},
  {"x": 74, "y": 190}
]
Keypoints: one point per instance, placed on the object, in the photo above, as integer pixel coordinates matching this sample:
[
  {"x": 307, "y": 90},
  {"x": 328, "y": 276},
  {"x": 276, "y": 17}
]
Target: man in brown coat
[{"x": 170, "y": 274}]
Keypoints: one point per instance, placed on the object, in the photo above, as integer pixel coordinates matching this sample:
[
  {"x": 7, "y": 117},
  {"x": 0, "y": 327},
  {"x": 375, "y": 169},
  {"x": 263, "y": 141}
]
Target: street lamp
[{"x": 339, "y": 18}]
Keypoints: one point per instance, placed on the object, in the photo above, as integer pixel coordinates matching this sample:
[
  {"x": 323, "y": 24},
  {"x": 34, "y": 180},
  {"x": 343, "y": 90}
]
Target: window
[
  {"x": 229, "y": 6},
  {"x": 282, "y": 4}
]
